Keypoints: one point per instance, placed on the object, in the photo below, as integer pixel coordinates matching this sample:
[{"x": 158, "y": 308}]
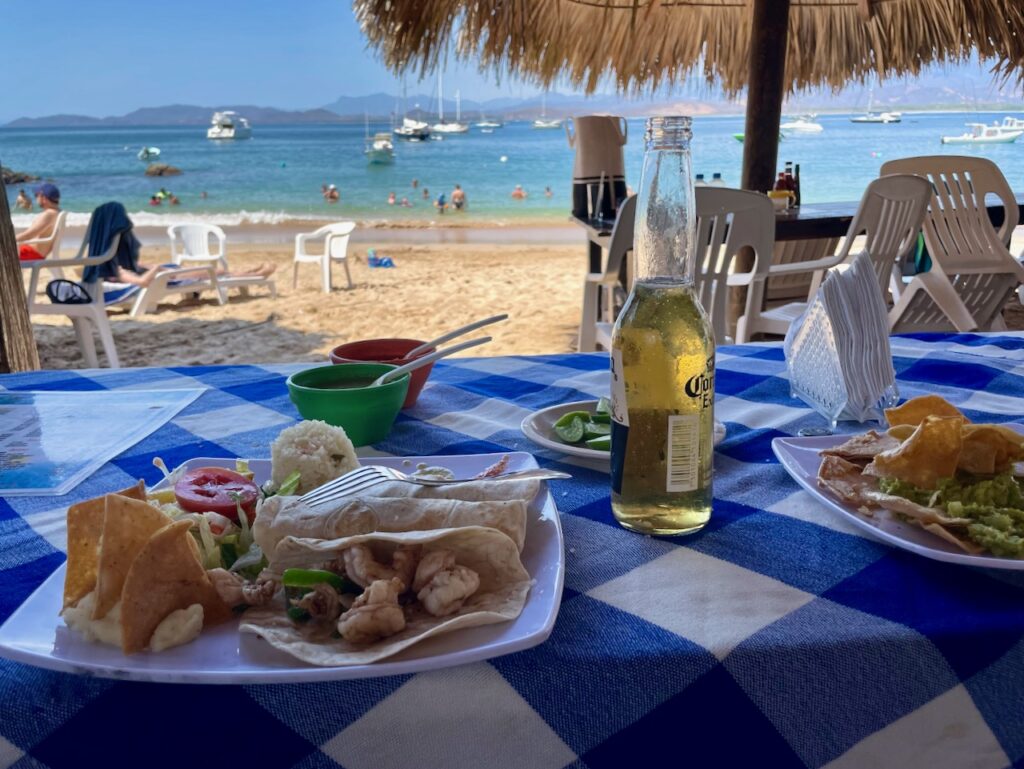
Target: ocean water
[{"x": 276, "y": 175}]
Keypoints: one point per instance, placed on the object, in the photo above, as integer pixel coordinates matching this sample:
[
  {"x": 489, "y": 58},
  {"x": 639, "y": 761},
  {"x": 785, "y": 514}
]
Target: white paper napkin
[{"x": 837, "y": 352}]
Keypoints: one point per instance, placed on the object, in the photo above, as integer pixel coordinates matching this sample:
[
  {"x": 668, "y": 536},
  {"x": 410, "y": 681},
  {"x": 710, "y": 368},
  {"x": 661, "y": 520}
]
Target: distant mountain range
[{"x": 962, "y": 88}]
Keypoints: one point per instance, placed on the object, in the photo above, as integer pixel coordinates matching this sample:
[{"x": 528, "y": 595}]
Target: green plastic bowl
[{"x": 365, "y": 413}]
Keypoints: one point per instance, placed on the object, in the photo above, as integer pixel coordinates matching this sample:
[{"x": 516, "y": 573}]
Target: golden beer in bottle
[{"x": 663, "y": 355}]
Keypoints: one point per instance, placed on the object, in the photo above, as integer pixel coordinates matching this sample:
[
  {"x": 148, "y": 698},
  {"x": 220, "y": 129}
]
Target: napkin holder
[{"x": 837, "y": 352}]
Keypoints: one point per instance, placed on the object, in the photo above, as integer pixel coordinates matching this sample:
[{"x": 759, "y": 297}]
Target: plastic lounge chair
[
  {"x": 170, "y": 282},
  {"x": 191, "y": 243},
  {"x": 972, "y": 274},
  {"x": 729, "y": 220},
  {"x": 335, "y": 239},
  {"x": 54, "y": 240},
  {"x": 84, "y": 317},
  {"x": 594, "y": 330},
  {"x": 889, "y": 216}
]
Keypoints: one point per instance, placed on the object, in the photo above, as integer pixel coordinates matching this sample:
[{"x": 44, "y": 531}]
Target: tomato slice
[{"x": 211, "y": 489}]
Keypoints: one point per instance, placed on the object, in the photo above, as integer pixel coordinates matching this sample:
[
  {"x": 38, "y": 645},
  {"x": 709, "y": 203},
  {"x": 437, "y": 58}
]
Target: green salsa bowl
[{"x": 339, "y": 395}]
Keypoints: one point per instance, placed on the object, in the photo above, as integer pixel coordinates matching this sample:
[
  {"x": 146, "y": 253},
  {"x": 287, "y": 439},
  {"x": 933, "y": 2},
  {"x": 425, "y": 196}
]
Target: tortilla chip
[
  {"x": 127, "y": 526},
  {"x": 504, "y": 586},
  {"x": 915, "y": 410},
  {"x": 845, "y": 479},
  {"x": 166, "y": 576},
  {"x": 865, "y": 446},
  {"x": 947, "y": 535},
  {"x": 901, "y": 432},
  {"x": 85, "y": 525},
  {"x": 930, "y": 453},
  {"x": 910, "y": 509},
  {"x": 990, "y": 449}
]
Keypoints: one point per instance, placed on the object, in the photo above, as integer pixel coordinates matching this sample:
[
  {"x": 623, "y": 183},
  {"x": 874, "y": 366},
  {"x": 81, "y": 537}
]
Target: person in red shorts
[{"x": 48, "y": 198}]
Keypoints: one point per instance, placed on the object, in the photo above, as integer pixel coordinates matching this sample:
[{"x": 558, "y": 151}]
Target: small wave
[{"x": 153, "y": 219}]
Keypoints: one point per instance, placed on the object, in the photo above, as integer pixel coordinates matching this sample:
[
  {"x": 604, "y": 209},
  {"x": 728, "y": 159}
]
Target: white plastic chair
[
  {"x": 603, "y": 285},
  {"x": 972, "y": 273},
  {"x": 191, "y": 243},
  {"x": 54, "y": 240},
  {"x": 889, "y": 216},
  {"x": 84, "y": 317},
  {"x": 729, "y": 220},
  {"x": 335, "y": 248}
]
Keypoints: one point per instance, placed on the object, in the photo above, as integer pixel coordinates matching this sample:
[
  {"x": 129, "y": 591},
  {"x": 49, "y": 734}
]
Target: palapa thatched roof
[{"x": 643, "y": 44}]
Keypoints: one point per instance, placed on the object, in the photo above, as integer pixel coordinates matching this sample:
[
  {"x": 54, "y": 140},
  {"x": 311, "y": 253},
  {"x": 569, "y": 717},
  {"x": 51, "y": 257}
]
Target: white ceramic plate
[
  {"x": 35, "y": 634},
  {"x": 799, "y": 456},
  {"x": 539, "y": 427}
]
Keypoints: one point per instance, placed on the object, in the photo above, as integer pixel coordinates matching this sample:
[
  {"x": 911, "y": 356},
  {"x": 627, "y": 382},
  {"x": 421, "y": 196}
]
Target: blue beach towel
[
  {"x": 108, "y": 220},
  {"x": 378, "y": 261}
]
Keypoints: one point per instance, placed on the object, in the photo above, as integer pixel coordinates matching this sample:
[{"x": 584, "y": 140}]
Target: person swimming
[
  {"x": 519, "y": 193},
  {"x": 547, "y": 192},
  {"x": 23, "y": 201},
  {"x": 330, "y": 193},
  {"x": 391, "y": 198},
  {"x": 441, "y": 203},
  {"x": 154, "y": 200}
]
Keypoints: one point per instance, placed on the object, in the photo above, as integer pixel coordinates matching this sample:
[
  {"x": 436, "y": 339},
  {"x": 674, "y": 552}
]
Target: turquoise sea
[{"x": 276, "y": 175}]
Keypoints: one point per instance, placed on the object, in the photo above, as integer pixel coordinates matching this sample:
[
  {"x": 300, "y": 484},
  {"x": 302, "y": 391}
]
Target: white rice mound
[{"x": 319, "y": 451}]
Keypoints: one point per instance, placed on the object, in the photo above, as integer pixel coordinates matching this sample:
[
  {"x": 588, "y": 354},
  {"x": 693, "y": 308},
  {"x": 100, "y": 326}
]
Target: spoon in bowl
[
  {"x": 452, "y": 334},
  {"x": 426, "y": 360}
]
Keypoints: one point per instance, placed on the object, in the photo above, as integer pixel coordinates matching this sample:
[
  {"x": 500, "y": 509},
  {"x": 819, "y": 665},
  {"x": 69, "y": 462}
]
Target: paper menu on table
[{"x": 50, "y": 441}]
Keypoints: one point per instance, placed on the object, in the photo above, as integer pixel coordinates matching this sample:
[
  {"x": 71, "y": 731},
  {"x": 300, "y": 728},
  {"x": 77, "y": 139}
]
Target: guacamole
[{"x": 994, "y": 505}]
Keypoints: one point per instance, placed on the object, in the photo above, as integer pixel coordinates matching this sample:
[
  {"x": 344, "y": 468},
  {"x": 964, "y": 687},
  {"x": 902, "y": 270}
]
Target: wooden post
[
  {"x": 766, "y": 89},
  {"x": 17, "y": 345}
]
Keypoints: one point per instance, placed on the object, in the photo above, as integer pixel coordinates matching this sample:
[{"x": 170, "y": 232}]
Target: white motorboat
[
  {"x": 413, "y": 130},
  {"x": 483, "y": 122},
  {"x": 1010, "y": 124},
  {"x": 448, "y": 127},
  {"x": 980, "y": 133},
  {"x": 380, "y": 149},
  {"x": 804, "y": 124},
  {"x": 228, "y": 125},
  {"x": 543, "y": 121},
  {"x": 148, "y": 153}
]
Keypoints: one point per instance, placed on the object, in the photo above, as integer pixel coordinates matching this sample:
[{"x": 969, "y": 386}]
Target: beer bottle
[{"x": 663, "y": 355}]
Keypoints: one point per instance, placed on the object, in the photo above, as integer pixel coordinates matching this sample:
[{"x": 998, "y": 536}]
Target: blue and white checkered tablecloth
[{"x": 779, "y": 636}]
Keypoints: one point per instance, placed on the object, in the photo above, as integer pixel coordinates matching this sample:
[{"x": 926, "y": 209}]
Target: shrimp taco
[
  {"x": 400, "y": 507},
  {"x": 360, "y": 599}
]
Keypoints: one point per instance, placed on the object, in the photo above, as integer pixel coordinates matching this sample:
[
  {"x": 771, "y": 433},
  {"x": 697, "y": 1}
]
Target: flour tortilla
[
  {"x": 400, "y": 507},
  {"x": 85, "y": 525},
  {"x": 504, "y": 585}
]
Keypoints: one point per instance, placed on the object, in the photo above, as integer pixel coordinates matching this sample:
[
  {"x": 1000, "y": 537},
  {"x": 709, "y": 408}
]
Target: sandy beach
[{"x": 433, "y": 288}]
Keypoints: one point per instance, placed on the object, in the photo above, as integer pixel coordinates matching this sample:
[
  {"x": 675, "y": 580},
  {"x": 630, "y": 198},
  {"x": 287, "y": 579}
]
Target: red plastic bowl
[{"x": 387, "y": 351}]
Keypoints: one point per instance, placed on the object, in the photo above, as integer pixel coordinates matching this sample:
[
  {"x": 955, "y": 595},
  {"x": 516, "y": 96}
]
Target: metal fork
[{"x": 370, "y": 475}]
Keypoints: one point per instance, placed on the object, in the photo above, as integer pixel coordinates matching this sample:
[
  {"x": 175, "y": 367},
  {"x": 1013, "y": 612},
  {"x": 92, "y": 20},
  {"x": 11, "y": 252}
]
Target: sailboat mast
[
  {"x": 440, "y": 99},
  {"x": 458, "y": 106}
]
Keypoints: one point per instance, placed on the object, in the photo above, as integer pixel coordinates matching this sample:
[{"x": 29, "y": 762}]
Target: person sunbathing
[{"x": 48, "y": 198}]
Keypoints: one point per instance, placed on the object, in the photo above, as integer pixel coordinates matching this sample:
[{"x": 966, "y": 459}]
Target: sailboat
[
  {"x": 411, "y": 130},
  {"x": 484, "y": 122},
  {"x": 542, "y": 121},
  {"x": 442, "y": 127},
  {"x": 871, "y": 117}
]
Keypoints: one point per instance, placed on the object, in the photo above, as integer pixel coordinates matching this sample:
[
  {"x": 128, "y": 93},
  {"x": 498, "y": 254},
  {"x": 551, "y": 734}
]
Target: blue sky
[{"x": 108, "y": 57}]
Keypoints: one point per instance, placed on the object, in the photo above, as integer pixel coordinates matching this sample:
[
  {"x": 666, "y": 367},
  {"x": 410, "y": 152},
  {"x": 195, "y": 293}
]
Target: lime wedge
[
  {"x": 571, "y": 432},
  {"x": 603, "y": 443},
  {"x": 595, "y": 430},
  {"x": 604, "y": 406},
  {"x": 567, "y": 419},
  {"x": 599, "y": 418}
]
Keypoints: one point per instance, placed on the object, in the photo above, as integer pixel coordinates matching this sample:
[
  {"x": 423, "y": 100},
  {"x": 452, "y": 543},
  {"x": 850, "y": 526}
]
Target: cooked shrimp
[
  {"x": 404, "y": 562},
  {"x": 235, "y": 591},
  {"x": 322, "y": 602},
  {"x": 375, "y": 614},
  {"x": 431, "y": 564},
  {"x": 448, "y": 590},
  {"x": 362, "y": 568}
]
